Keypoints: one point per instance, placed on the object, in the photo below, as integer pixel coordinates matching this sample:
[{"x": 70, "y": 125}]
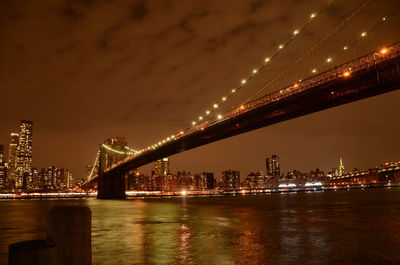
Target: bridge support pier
[{"x": 111, "y": 185}]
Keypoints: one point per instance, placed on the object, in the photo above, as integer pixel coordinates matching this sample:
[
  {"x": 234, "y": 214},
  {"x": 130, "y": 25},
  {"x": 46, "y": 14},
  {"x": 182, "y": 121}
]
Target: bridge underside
[{"x": 382, "y": 78}]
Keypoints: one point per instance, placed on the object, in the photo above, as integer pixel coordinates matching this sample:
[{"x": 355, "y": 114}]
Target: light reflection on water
[{"x": 344, "y": 227}]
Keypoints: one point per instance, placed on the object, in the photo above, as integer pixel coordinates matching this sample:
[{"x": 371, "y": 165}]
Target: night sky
[{"x": 86, "y": 70}]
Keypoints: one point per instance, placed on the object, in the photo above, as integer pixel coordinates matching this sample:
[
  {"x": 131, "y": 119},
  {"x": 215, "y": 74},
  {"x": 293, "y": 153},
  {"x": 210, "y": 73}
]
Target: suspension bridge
[{"x": 376, "y": 72}]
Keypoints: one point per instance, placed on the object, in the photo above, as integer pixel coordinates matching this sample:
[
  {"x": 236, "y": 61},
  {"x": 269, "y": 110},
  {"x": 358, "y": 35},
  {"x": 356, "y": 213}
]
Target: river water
[{"x": 342, "y": 227}]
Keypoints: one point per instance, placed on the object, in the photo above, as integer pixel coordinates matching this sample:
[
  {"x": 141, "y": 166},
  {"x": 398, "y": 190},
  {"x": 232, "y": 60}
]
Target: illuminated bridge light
[
  {"x": 296, "y": 32},
  {"x": 181, "y": 132},
  {"x": 267, "y": 59},
  {"x": 313, "y": 15},
  {"x": 296, "y": 85},
  {"x": 255, "y": 71},
  {"x": 193, "y": 123},
  {"x": 345, "y": 48},
  {"x": 244, "y": 81},
  {"x": 184, "y": 193},
  {"x": 364, "y": 34},
  {"x": 329, "y": 60},
  {"x": 223, "y": 98},
  {"x": 384, "y": 51},
  {"x": 207, "y": 112},
  {"x": 314, "y": 70},
  {"x": 215, "y": 106},
  {"x": 346, "y": 74},
  {"x": 200, "y": 118},
  {"x": 233, "y": 90},
  {"x": 219, "y": 116},
  {"x": 242, "y": 107}
]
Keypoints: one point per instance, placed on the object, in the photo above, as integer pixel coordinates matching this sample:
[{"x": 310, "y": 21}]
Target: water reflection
[
  {"x": 249, "y": 242},
  {"x": 347, "y": 227}
]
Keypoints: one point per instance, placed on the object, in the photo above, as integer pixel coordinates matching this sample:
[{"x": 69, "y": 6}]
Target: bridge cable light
[
  {"x": 382, "y": 52},
  {"x": 96, "y": 163},
  {"x": 334, "y": 31},
  {"x": 280, "y": 48}
]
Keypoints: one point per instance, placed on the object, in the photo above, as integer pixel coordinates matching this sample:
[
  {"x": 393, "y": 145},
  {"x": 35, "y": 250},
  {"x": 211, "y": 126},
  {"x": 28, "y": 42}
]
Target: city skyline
[
  {"x": 73, "y": 117},
  {"x": 271, "y": 165}
]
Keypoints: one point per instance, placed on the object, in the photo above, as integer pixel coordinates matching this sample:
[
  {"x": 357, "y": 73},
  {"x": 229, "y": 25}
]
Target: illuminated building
[
  {"x": 206, "y": 181},
  {"x": 55, "y": 178},
  {"x": 254, "y": 180},
  {"x": 23, "y": 171},
  {"x": 162, "y": 167},
  {"x": 273, "y": 169},
  {"x": 341, "y": 167},
  {"x": 69, "y": 179},
  {"x": 3, "y": 169},
  {"x": 230, "y": 179},
  {"x": 185, "y": 180},
  {"x": 36, "y": 184},
  {"x": 12, "y": 159},
  {"x": 135, "y": 180}
]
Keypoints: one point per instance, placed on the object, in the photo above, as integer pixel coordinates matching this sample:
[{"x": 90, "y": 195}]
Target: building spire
[{"x": 341, "y": 167}]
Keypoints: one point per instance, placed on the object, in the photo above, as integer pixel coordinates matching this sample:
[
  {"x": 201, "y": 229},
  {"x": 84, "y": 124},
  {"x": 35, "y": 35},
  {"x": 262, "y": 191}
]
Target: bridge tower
[{"x": 111, "y": 184}]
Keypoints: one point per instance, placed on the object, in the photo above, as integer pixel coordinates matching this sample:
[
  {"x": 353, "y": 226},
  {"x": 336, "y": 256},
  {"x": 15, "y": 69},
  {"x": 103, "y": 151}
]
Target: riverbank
[{"x": 194, "y": 193}]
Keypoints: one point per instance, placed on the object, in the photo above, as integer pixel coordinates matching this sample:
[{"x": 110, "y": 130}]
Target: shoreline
[{"x": 195, "y": 193}]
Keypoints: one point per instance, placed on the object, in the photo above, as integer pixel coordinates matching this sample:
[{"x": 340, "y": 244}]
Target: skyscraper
[
  {"x": 12, "y": 159},
  {"x": 162, "y": 167},
  {"x": 273, "y": 167},
  {"x": 230, "y": 179},
  {"x": 3, "y": 175},
  {"x": 23, "y": 171},
  {"x": 206, "y": 181},
  {"x": 341, "y": 167}
]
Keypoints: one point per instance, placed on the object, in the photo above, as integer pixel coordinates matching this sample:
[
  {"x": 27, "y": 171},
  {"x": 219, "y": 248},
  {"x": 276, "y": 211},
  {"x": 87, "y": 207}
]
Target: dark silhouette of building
[
  {"x": 230, "y": 179},
  {"x": 273, "y": 169}
]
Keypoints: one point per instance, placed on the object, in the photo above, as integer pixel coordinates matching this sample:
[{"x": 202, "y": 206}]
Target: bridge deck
[{"x": 371, "y": 75}]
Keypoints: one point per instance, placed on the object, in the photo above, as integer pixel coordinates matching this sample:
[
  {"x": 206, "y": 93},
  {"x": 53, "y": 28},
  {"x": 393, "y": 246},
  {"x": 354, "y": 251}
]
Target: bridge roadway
[{"x": 367, "y": 76}]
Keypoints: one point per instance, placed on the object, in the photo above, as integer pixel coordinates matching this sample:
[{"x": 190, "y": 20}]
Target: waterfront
[{"x": 333, "y": 227}]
